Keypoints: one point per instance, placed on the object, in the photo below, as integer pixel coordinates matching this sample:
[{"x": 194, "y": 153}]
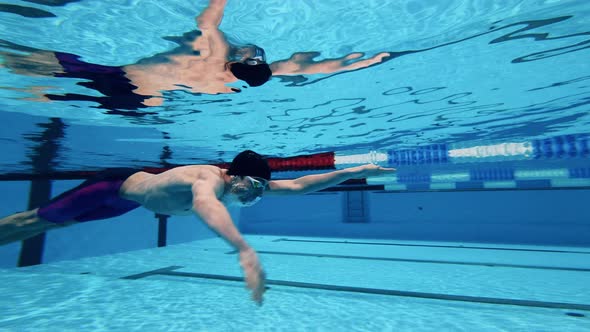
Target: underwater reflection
[{"x": 203, "y": 63}]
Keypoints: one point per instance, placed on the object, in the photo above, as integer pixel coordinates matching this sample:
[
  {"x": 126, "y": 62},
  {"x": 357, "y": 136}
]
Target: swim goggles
[
  {"x": 255, "y": 195},
  {"x": 253, "y": 62},
  {"x": 258, "y": 58},
  {"x": 259, "y": 55},
  {"x": 258, "y": 183}
]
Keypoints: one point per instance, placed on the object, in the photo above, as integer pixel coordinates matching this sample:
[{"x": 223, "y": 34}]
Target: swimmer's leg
[
  {"x": 23, "y": 225},
  {"x": 94, "y": 199},
  {"x": 28, "y": 61},
  {"x": 61, "y": 211}
]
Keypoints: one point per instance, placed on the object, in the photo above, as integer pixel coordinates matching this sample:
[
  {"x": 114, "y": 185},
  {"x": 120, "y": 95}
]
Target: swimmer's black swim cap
[
  {"x": 249, "y": 163},
  {"x": 253, "y": 75}
]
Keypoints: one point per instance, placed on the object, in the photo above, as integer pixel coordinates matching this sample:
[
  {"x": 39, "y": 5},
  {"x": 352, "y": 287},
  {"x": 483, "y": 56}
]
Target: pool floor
[{"x": 316, "y": 284}]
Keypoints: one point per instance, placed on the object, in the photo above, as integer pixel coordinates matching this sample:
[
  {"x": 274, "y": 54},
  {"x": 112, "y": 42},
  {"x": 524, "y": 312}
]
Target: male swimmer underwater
[{"x": 202, "y": 190}]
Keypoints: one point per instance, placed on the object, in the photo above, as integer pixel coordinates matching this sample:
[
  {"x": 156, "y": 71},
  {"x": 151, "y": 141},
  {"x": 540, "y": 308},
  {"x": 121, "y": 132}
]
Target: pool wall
[{"x": 531, "y": 217}]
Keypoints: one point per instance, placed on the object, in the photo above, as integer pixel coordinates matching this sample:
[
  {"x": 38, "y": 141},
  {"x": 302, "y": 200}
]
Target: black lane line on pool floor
[
  {"x": 169, "y": 271},
  {"x": 425, "y": 261},
  {"x": 431, "y": 246}
]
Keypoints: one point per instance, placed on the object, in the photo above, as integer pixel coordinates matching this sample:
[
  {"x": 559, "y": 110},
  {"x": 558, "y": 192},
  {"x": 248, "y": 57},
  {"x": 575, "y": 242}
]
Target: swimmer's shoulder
[{"x": 194, "y": 172}]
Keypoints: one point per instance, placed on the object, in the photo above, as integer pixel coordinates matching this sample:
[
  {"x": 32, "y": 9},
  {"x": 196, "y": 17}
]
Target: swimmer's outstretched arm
[
  {"x": 311, "y": 183},
  {"x": 303, "y": 63}
]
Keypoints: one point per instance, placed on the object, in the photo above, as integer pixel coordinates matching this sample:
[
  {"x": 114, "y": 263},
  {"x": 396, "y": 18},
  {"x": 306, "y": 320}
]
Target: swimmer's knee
[
  {"x": 51, "y": 224},
  {"x": 68, "y": 223}
]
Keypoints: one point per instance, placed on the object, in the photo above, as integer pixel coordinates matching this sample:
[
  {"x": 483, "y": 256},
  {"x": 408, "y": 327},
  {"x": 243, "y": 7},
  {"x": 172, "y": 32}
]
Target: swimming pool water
[{"x": 460, "y": 71}]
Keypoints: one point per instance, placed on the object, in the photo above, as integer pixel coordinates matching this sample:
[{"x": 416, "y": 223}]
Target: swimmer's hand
[
  {"x": 369, "y": 170},
  {"x": 255, "y": 276}
]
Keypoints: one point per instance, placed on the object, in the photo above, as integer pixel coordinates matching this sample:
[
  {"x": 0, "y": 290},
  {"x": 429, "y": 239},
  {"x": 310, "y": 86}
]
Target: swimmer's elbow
[
  {"x": 286, "y": 187},
  {"x": 296, "y": 188},
  {"x": 203, "y": 24},
  {"x": 198, "y": 204}
]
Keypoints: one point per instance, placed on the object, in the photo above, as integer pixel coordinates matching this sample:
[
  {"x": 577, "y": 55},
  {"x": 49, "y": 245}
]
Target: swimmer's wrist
[
  {"x": 244, "y": 248},
  {"x": 355, "y": 172}
]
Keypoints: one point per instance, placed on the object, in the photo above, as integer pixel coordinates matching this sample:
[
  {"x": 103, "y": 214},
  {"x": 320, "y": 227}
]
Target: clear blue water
[{"x": 460, "y": 71}]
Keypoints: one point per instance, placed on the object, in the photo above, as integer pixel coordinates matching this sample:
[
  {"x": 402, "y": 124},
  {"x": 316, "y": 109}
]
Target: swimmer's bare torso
[{"x": 171, "y": 192}]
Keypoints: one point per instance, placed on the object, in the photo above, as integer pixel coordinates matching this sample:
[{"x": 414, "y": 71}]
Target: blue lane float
[
  {"x": 432, "y": 154},
  {"x": 559, "y": 147}
]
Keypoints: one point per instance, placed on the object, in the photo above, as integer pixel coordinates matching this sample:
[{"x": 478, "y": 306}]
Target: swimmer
[{"x": 202, "y": 190}]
